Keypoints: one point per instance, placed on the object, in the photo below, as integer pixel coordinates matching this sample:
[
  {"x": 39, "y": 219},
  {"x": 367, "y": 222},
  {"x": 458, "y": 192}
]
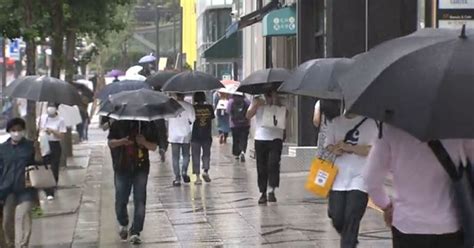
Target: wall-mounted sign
[
  {"x": 280, "y": 22},
  {"x": 455, "y": 13}
]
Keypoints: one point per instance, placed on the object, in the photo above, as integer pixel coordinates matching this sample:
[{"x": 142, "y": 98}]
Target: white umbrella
[
  {"x": 70, "y": 114},
  {"x": 134, "y": 70},
  {"x": 231, "y": 89},
  {"x": 86, "y": 83}
]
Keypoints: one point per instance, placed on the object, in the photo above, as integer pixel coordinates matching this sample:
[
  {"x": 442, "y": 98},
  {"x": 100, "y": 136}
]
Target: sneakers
[
  {"x": 176, "y": 183},
  {"x": 162, "y": 155},
  {"x": 242, "y": 157},
  {"x": 206, "y": 177},
  {"x": 135, "y": 239},
  {"x": 198, "y": 180},
  {"x": 263, "y": 199},
  {"x": 50, "y": 197},
  {"x": 186, "y": 179},
  {"x": 123, "y": 232},
  {"x": 271, "y": 197}
]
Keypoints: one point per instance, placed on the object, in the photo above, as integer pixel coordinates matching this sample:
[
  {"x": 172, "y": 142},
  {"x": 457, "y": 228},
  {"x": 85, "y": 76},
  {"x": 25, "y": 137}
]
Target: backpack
[{"x": 238, "y": 111}]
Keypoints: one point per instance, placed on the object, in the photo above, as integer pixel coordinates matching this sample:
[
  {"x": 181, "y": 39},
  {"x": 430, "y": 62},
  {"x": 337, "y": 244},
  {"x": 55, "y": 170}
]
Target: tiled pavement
[{"x": 223, "y": 213}]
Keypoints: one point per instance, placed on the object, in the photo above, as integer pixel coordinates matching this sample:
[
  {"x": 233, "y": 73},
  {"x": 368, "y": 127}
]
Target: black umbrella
[
  {"x": 192, "y": 81},
  {"x": 264, "y": 80},
  {"x": 84, "y": 91},
  {"x": 117, "y": 87},
  {"x": 158, "y": 80},
  {"x": 317, "y": 78},
  {"x": 421, "y": 83},
  {"x": 44, "y": 89},
  {"x": 140, "y": 105}
]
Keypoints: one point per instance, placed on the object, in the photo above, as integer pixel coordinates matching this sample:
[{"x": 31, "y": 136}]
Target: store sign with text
[{"x": 455, "y": 13}]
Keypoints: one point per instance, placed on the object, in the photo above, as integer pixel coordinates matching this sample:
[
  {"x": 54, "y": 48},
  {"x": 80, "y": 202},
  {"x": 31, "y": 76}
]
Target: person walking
[
  {"x": 54, "y": 127},
  {"x": 130, "y": 143},
  {"x": 240, "y": 125},
  {"x": 180, "y": 130},
  {"x": 15, "y": 155},
  {"x": 349, "y": 138},
  {"x": 223, "y": 123},
  {"x": 201, "y": 138},
  {"x": 268, "y": 147},
  {"x": 162, "y": 138},
  {"x": 421, "y": 211}
]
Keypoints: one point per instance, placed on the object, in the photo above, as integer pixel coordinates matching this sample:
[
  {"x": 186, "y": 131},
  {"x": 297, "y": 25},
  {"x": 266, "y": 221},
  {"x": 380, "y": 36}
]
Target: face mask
[
  {"x": 17, "y": 136},
  {"x": 51, "y": 111}
]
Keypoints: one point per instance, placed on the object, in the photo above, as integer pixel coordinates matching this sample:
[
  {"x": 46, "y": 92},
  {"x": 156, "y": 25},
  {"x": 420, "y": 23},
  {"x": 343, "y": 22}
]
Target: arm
[
  {"x": 361, "y": 150},
  {"x": 378, "y": 166},
  {"x": 149, "y": 137},
  {"x": 114, "y": 143},
  {"x": 317, "y": 115},
  {"x": 149, "y": 145},
  {"x": 252, "y": 111}
]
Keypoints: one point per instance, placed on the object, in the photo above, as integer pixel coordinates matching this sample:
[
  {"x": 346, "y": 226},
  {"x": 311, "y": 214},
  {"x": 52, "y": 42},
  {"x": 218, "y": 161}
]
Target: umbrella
[
  {"x": 44, "y": 89},
  {"x": 114, "y": 73},
  {"x": 159, "y": 79},
  {"x": 264, "y": 80},
  {"x": 117, "y": 87},
  {"x": 229, "y": 82},
  {"x": 317, "y": 78},
  {"x": 84, "y": 91},
  {"x": 134, "y": 70},
  {"x": 70, "y": 115},
  {"x": 192, "y": 81},
  {"x": 140, "y": 105},
  {"x": 231, "y": 89},
  {"x": 421, "y": 83},
  {"x": 89, "y": 84},
  {"x": 147, "y": 59}
]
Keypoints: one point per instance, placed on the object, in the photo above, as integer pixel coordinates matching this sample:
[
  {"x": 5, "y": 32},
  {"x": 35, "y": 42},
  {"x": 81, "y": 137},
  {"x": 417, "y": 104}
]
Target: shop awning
[
  {"x": 225, "y": 47},
  {"x": 252, "y": 18}
]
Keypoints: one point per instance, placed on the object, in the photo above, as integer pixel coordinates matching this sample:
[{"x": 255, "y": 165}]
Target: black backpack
[{"x": 238, "y": 111}]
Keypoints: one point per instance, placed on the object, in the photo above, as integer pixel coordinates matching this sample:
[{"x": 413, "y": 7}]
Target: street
[{"x": 223, "y": 213}]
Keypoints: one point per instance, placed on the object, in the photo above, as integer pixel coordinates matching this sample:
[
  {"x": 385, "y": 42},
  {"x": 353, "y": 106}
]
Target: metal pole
[
  {"x": 4, "y": 71},
  {"x": 157, "y": 23},
  {"x": 174, "y": 34}
]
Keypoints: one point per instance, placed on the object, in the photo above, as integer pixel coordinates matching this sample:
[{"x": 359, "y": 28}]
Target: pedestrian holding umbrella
[
  {"x": 158, "y": 80},
  {"x": 422, "y": 86},
  {"x": 317, "y": 78},
  {"x": 44, "y": 89},
  {"x": 192, "y": 81},
  {"x": 117, "y": 87},
  {"x": 263, "y": 81}
]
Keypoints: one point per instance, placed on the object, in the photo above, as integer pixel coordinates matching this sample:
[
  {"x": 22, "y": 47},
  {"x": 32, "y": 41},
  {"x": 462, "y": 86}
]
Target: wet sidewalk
[{"x": 223, "y": 213}]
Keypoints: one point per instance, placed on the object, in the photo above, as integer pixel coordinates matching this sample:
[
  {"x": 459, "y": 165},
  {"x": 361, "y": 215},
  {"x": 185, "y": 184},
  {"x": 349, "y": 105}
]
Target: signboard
[
  {"x": 456, "y": 4},
  {"x": 15, "y": 49},
  {"x": 455, "y": 13},
  {"x": 280, "y": 22}
]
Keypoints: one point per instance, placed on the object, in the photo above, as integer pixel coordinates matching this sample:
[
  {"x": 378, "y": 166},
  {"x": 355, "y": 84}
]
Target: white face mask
[
  {"x": 51, "y": 111},
  {"x": 17, "y": 135}
]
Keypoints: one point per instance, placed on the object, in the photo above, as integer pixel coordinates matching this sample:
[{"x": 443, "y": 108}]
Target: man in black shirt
[
  {"x": 129, "y": 143},
  {"x": 201, "y": 139}
]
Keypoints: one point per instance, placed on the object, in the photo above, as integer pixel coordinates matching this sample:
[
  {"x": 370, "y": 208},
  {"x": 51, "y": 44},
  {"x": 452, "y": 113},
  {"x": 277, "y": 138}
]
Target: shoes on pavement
[
  {"x": 271, "y": 197},
  {"x": 162, "y": 155},
  {"x": 206, "y": 177},
  {"x": 123, "y": 232},
  {"x": 186, "y": 179},
  {"x": 50, "y": 197},
  {"x": 263, "y": 199},
  {"x": 242, "y": 157},
  {"x": 135, "y": 239},
  {"x": 198, "y": 180},
  {"x": 176, "y": 183}
]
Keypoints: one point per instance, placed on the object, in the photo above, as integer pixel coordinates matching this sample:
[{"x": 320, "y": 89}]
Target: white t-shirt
[
  {"x": 265, "y": 133},
  {"x": 349, "y": 176},
  {"x": 55, "y": 123},
  {"x": 180, "y": 128}
]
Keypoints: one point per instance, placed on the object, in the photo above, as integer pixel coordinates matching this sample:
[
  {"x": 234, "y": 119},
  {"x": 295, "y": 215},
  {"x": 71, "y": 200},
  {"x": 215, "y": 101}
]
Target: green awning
[{"x": 225, "y": 48}]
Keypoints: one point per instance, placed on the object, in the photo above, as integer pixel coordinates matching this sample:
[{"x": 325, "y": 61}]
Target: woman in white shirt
[
  {"x": 179, "y": 136},
  {"x": 268, "y": 147},
  {"x": 54, "y": 127},
  {"x": 350, "y": 138}
]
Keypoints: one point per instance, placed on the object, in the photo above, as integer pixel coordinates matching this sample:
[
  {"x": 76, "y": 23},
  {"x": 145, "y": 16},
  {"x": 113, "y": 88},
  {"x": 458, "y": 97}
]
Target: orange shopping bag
[{"x": 321, "y": 177}]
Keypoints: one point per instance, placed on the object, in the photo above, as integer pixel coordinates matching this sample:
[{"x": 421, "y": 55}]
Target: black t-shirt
[
  {"x": 132, "y": 158},
  {"x": 202, "y": 127}
]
